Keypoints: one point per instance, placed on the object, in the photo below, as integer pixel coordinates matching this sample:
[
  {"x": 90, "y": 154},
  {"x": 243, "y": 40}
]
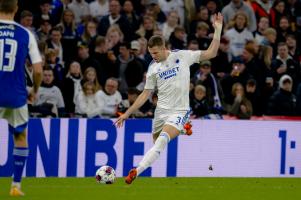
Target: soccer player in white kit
[{"x": 169, "y": 73}]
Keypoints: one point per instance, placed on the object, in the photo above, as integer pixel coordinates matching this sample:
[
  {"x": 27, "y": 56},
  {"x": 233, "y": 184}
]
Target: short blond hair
[{"x": 270, "y": 31}]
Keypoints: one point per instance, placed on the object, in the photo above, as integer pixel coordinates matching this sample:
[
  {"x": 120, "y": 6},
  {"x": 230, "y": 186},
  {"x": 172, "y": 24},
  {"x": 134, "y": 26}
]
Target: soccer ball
[{"x": 105, "y": 175}]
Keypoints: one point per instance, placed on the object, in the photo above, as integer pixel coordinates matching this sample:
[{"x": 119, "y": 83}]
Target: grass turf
[{"x": 157, "y": 188}]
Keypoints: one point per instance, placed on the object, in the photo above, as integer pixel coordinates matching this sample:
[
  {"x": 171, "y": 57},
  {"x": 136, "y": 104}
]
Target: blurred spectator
[
  {"x": 270, "y": 36},
  {"x": 171, "y": 23},
  {"x": 44, "y": 14},
  {"x": 239, "y": 6},
  {"x": 58, "y": 70},
  {"x": 26, "y": 20},
  {"x": 72, "y": 86},
  {"x": 193, "y": 45},
  {"x": 130, "y": 68},
  {"x": 176, "y": 5},
  {"x": 241, "y": 106},
  {"x": 91, "y": 77},
  {"x": 111, "y": 98},
  {"x": 70, "y": 36},
  {"x": 87, "y": 104},
  {"x": 147, "y": 28},
  {"x": 214, "y": 92},
  {"x": 99, "y": 8},
  {"x": 238, "y": 74},
  {"x": 55, "y": 42},
  {"x": 253, "y": 94},
  {"x": 263, "y": 24},
  {"x": 114, "y": 38},
  {"x": 285, "y": 64},
  {"x": 215, "y": 6},
  {"x": 277, "y": 11},
  {"x": 265, "y": 55},
  {"x": 108, "y": 66},
  {"x": 130, "y": 14},
  {"x": 86, "y": 60},
  {"x": 57, "y": 8},
  {"x": 261, "y": 8},
  {"x": 137, "y": 53},
  {"x": 153, "y": 9},
  {"x": 90, "y": 34},
  {"x": 239, "y": 34},
  {"x": 177, "y": 38},
  {"x": 49, "y": 101},
  {"x": 80, "y": 8},
  {"x": 132, "y": 95},
  {"x": 115, "y": 18},
  {"x": 284, "y": 29},
  {"x": 221, "y": 66},
  {"x": 198, "y": 102},
  {"x": 201, "y": 35},
  {"x": 44, "y": 30},
  {"x": 254, "y": 66},
  {"x": 201, "y": 16},
  {"x": 293, "y": 49},
  {"x": 283, "y": 101}
]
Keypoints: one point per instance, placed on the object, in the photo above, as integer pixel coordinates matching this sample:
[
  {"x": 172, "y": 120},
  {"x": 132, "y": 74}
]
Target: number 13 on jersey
[{"x": 8, "y": 50}]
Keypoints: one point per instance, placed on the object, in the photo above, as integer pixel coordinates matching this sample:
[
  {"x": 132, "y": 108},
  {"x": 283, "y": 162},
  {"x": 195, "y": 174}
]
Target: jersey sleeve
[
  {"x": 34, "y": 53},
  {"x": 191, "y": 57},
  {"x": 150, "y": 82}
]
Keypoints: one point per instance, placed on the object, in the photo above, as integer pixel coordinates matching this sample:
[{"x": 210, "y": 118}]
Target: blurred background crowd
[{"x": 95, "y": 55}]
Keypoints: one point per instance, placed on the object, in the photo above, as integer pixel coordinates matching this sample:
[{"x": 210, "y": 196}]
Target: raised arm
[
  {"x": 212, "y": 50},
  {"x": 137, "y": 104}
]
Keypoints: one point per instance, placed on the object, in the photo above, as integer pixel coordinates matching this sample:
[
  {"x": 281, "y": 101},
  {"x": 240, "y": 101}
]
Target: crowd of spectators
[{"x": 95, "y": 55}]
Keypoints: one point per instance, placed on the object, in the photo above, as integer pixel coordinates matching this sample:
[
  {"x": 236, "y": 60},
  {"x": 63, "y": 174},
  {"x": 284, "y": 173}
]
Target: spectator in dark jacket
[
  {"x": 115, "y": 18},
  {"x": 177, "y": 38},
  {"x": 241, "y": 106},
  {"x": 283, "y": 101},
  {"x": 198, "y": 102},
  {"x": 285, "y": 64},
  {"x": 130, "y": 69}
]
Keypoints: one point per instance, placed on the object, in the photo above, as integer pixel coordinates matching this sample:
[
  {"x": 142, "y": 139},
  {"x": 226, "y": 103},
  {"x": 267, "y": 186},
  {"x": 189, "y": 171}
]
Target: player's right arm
[{"x": 137, "y": 104}]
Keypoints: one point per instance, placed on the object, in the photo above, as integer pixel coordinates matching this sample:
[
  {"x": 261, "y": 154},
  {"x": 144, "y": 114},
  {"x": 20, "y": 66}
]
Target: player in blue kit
[{"x": 16, "y": 45}]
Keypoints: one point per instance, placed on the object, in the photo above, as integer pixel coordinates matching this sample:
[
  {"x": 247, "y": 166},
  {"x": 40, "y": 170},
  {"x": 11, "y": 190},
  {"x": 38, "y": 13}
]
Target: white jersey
[{"x": 172, "y": 78}]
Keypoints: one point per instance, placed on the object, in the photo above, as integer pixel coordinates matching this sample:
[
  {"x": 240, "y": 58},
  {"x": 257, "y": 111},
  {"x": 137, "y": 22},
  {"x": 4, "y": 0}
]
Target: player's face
[{"x": 157, "y": 53}]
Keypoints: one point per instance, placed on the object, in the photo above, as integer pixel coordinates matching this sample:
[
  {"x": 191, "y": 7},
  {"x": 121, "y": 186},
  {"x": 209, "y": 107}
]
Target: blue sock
[{"x": 20, "y": 156}]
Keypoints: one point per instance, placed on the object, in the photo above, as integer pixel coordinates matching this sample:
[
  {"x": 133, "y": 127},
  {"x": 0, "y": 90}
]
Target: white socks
[
  {"x": 16, "y": 184},
  {"x": 153, "y": 154}
]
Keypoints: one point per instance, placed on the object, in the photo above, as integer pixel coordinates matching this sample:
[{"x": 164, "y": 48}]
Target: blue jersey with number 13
[{"x": 16, "y": 45}]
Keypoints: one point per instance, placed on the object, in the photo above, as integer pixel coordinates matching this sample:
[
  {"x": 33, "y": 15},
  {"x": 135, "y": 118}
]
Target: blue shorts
[{"x": 17, "y": 118}]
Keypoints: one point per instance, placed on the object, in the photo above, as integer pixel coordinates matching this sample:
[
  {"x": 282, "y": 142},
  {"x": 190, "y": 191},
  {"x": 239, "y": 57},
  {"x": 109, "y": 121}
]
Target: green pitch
[{"x": 157, "y": 189}]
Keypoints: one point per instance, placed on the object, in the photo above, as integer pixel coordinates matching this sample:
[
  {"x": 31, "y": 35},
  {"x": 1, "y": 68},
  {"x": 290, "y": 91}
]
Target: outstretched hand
[
  {"x": 119, "y": 122},
  {"x": 217, "y": 21}
]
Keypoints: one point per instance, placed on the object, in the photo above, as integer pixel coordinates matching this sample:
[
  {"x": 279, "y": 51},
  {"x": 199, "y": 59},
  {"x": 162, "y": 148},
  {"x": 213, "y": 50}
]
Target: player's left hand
[{"x": 217, "y": 21}]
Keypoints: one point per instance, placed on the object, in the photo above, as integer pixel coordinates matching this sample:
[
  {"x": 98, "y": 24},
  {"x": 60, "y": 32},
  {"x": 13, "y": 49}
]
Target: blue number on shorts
[{"x": 178, "y": 121}]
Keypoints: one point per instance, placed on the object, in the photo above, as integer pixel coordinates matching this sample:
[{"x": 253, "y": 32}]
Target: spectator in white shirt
[
  {"x": 87, "y": 103},
  {"x": 111, "y": 97}
]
